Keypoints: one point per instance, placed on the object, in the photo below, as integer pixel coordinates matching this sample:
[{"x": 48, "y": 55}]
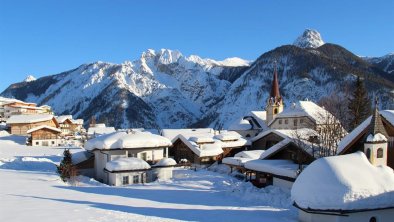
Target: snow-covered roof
[
  {"x": 200, "y": 132},
  {"x": 261, "y": 118},
  {"x": 228, "y": 136},
  {"x": 61, "y": 119},
  {"x": 240, "y": 124},
  {"x": 127, "y": 140},
  {"x": 376, "y": 138},
  {"x": 388, "y": 115},
  {"x": 285, "y": 168},
  {"x": 236, "y": 161},
  {"x": 124, "y": 164},
  {"x": 166, "y": 162},
  {"x": 303, "y": 133},
  {"x": 77, "y": 121},
  {"x": 32, "y": 118},
  {"x": 201, "y": 150},
  {"x": 346, "y": 182},
  {"x": 100, "y": 129},
  {"x": 305, "y": 109},
  {"x": 81, "y": 156},
  {"x": 251, "y": 154},
  {"x": 4, "y": 100},
  {"x": 26, "y": 107},
  {"x": 44, "y": 127}
]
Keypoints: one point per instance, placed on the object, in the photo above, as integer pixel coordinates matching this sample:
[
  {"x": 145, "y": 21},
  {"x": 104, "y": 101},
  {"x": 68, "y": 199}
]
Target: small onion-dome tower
[
  {"x": 274, "y": 102},
  {"x": 375, "y": 144}
]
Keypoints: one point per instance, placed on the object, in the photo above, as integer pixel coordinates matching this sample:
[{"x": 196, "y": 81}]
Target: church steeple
[
  {"x": 275, "y": 85},
  {"x": 376, "y": 125},
  {"x": 274, "y": 102},
  {"x": 375, "y": 145}
]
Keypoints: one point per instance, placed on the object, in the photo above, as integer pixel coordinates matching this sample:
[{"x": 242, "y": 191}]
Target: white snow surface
[
  {"x": 171, "y": 134},
  {"x": 130, "y": 163},
  {"x": 201, "y": 150},
  {"x": 32, "y": 118},
  {"x": 285, "y": 168},
  {"x": 309, "y": 39},
  {"x": 346, "y": 182},
  {"x": 34, "y": 192},
  {"x": 127, "y": 140},
  {"x": 166, "y": 162},
  {"x": 80, "y": 156},
  {"x": 252, "y": 154},
  {"x": 240, "y": 124},
  {"x": 376, "y": 138}
]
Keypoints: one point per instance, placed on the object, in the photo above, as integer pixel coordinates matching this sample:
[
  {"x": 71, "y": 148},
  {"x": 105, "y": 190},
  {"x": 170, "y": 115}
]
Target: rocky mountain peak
[
  {"x": 29, "y": 78},
  {"x": 309, "y": 39}
]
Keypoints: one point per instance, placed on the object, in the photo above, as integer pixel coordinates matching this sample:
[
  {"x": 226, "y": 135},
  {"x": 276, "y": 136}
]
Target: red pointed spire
[{"x": 275, "y": 85}]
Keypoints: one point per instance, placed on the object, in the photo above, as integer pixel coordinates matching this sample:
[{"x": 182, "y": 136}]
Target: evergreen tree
[
  {"x": 65, "y": 169},
  {"x": 359, "y": 104}
]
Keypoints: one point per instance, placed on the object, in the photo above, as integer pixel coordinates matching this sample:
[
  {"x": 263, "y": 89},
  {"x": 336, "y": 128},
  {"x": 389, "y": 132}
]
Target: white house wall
[
  {"x": 116, "y": 179},
  {"x": 380, "y": 215}
]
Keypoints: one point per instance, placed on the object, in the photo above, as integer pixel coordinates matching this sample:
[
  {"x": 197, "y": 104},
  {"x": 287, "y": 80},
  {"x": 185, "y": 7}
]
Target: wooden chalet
[
  {"x": 44, "y": 136},
  {"x": 20, "y": 124}
]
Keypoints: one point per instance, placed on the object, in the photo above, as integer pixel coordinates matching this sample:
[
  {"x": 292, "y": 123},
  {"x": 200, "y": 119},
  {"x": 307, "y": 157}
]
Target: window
[
  {"x": 380, "y": 153},
  {"x": 275, "y": 111},
  {"x": 125, "y": 180},
  {"x": 301, "y": 121},
  {"x": 247, "y": 135},
  {"x": 136, "y": 179},
  {"x": 295, "y": 122},
  {"x": 286, "y": 121},
  {"x": 143, "y": 156},
  {"x": 53, "y": 142},
  {"x": 368, "y": 153},
  {"x": 129, "y": 155},
  {"x": 280, "y": 121},
  {"x": 37, "y": 143}
]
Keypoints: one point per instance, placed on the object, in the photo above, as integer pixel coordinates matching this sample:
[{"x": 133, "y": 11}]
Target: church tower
[
  {"x": 375, "y": 145},
  {"x": 274, "y": 102}
]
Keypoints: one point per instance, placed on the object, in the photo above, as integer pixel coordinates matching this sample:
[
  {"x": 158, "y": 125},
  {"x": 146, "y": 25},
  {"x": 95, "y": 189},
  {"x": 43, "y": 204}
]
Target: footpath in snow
[{"x": 30, "y": 190}]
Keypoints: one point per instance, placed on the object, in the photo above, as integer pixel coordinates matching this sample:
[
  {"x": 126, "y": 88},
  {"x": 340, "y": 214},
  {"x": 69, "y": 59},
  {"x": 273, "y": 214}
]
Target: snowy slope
[
  {"x": 165, "y": 89},
  {"x": 385, "y": 62}
]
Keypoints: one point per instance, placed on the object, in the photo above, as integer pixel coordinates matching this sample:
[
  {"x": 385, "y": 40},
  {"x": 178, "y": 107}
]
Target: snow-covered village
[{"x": 287, "y": 123}]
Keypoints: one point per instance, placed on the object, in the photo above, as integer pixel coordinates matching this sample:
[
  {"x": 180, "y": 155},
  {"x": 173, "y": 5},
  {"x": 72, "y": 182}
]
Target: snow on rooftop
[
  {"x": 77, "y": 121},
  {"x": 236, "y": 161},
  {"x": 130, "y": 163},
  {"x": 261, "y": 118},
  {"x": 166, "y": 162},
  {"x": 228, "y": 136},
  {"x": 346, "y": 182},
  {"x": 285, "y": 168},
  {"x": 100, "y": 129},
  {"x": 172, "y": 133},
  {"x": 251, "y": 154},
  {"x": 63, "y": 118},
  {"x": 42, "y": 127},
  {"x": 303, "y": 133},
  {"x": 240, "y": 124},
  {"x": 202, "y": 150},
  {"x": 127, "y": 140},
  {"x": 32, "y": 118},
  {"x": 305, "y": 109},
  {"x": 202, "y": 139},
  {"x": 376, "y": 138}
]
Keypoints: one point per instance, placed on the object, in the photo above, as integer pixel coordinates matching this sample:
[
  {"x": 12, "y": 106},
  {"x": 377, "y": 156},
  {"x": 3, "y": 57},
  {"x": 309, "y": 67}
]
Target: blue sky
[{"x": 48, "y": 37}]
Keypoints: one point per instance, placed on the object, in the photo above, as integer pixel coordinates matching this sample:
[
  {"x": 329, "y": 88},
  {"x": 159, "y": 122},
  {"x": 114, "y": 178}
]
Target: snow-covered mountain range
[
  {"x": 309, "y": 39},
  {"x": 165, "y": 89}
]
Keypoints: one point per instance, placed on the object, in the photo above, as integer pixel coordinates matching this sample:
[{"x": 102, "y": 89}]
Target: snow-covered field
[{"x": 30, "y": 190}]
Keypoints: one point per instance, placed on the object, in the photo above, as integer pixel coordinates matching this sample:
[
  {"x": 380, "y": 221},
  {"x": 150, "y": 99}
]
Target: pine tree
[
  {"x": 65, "y": 169},
  {"x": 359, "y": 104}
]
